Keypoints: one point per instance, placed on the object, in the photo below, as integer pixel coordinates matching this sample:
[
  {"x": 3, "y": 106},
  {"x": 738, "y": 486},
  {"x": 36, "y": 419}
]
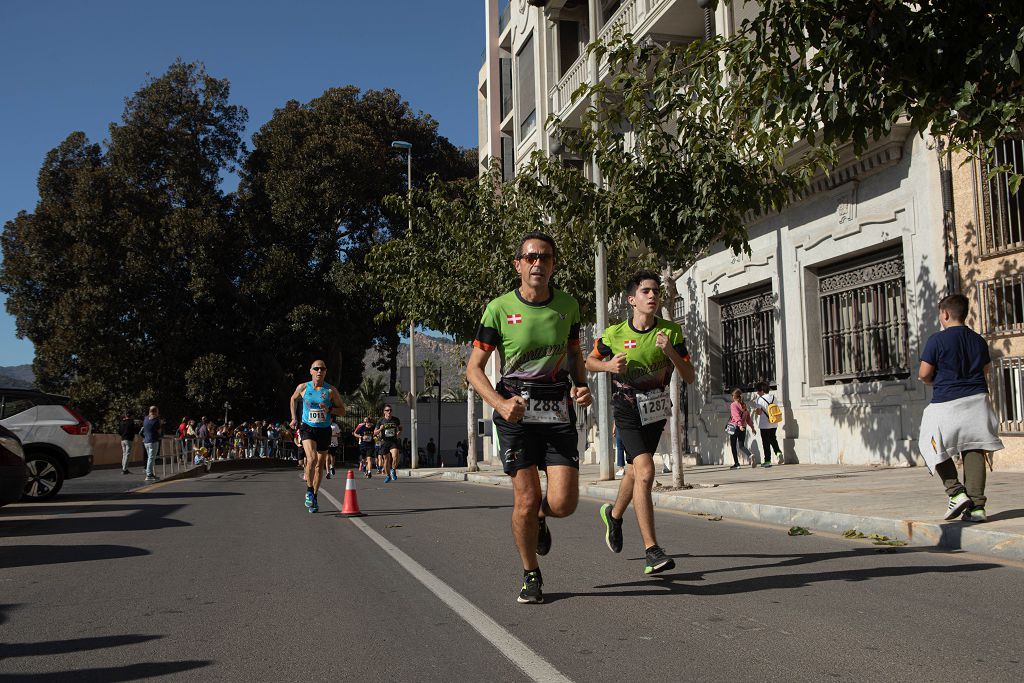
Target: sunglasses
[
  {"x": 534, "y": 257},
  {"x": 319, "y": 369}
]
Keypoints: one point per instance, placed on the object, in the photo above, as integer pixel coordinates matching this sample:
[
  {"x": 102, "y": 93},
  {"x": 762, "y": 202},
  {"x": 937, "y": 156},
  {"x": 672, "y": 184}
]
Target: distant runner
[
  {"x": 319, "y": 401},
  {"x": 364, "y": 434},
  {"x": 389, "y": 429}
]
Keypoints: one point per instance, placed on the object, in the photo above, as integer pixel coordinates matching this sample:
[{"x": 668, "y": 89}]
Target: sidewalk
[{"x": 902, "y": 503}]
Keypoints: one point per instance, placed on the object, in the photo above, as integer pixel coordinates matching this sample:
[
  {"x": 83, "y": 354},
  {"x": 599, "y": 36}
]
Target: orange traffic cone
[{"x": 350, "y": 505}]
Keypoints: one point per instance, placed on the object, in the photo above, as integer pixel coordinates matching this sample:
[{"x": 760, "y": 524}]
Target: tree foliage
[
  {"x": 848, "y": 70},
  {"x": 140, "y": 281},
  {"x": 109, "y": 276},
  {"x": 465, "y": 235}
]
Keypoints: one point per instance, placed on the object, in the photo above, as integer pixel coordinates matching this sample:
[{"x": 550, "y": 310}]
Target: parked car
[
  {"x": 13, "y": 473},
  {"x": 54, "y": 437}
]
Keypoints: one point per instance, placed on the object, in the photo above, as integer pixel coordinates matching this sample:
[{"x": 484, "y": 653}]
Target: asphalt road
[{"x": 229, "y": 577}]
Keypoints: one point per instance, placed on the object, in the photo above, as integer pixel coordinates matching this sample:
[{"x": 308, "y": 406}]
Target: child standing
[
  {"x": 739, "y": 420},
  {"x": 959, "y": 419},
  {"x": 769, "y": 440}
]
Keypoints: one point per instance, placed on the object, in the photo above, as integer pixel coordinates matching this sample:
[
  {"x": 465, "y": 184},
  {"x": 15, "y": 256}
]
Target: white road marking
[{"x": 518, "y": 652}]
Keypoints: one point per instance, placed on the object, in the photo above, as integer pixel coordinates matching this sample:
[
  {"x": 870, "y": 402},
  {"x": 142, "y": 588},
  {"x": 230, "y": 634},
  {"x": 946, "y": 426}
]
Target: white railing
[
  {"x": 561, "y": 95},
  {"x": 627, "y": 18}
]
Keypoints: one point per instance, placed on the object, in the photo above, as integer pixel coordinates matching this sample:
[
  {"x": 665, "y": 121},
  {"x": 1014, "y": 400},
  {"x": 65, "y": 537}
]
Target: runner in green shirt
[
  {"x": 641, "y": 353},
  {"x": 536, "y": 331}
]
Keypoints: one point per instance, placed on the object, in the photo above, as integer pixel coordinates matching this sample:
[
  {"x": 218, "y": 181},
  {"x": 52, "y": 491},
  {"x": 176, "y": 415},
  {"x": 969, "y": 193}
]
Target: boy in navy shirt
[{"x": 959, "y": 419}]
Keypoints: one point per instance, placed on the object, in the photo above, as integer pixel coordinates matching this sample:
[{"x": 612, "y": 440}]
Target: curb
[{"x": 950, "y": 536}]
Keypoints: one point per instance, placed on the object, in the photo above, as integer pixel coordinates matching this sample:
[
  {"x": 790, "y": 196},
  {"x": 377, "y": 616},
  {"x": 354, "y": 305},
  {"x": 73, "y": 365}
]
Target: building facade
[
  {"x": 839, "y": 292},
  {"x": 989, "y": 251}
]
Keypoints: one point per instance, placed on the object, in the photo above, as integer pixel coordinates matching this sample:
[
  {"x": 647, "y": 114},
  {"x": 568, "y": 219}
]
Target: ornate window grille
[
  {"x": 1008, "y": 393},
  {"x": 1001, "y": 305},
  {"x": 1002, "y": 212},
  {"x": 864, "y": 322},
  {"x": 748, "y": 340}
]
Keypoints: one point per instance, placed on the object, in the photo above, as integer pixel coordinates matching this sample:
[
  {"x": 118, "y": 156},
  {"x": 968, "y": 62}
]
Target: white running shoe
[{"x": 958, "y": 504}]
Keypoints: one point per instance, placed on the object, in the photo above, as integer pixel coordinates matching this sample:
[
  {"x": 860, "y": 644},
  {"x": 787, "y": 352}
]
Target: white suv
[{"x": 54, "y": 436}]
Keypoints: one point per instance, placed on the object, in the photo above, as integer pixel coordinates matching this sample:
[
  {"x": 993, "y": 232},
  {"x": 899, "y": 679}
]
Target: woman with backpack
[
  {"x": 739, "y": 420},
  {"x": 769, "y": 417}
]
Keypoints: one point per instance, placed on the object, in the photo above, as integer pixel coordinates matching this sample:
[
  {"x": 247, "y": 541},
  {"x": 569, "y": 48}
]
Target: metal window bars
[
  {"x": 864, "y": 322},
  {"x": 748, "y": 341},
  {"x": 1002, "y": 210},
  {"x": 1001, "y": 305},
  {"x": 1008, "y": 393}
]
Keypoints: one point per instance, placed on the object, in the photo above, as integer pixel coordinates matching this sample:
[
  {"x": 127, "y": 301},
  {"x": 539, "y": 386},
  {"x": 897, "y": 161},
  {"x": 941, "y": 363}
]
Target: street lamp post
[
  {"x": 414, "y": 454},
  {"x": 227, "y": 407},
  {"x": 439, "y": 414}
]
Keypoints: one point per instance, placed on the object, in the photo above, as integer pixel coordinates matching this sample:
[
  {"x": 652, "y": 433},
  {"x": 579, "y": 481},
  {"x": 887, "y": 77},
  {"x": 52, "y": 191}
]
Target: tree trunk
[
  {"x": 471, "y": 464},
  {"x": 668, "y": 304}
]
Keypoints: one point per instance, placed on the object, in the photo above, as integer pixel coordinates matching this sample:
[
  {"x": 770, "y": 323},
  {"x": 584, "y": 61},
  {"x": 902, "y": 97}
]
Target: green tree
[
  {"x": 848, "y": 70},
  {"x": 312, "y": 196},
  {"x": 107, "y": 276}
]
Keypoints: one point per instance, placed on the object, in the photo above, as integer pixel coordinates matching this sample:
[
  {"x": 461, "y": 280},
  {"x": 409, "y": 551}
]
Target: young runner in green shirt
[
  {"x": 641, "y": 353},
  {"x": 536, "y": 331}
]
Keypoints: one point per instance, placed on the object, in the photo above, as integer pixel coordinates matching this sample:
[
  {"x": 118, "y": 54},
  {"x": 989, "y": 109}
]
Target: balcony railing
[
  {"x": 560, "y": 96},
  {"x": 630, "y": 15},
  {"x": 1003, "y": 210}
]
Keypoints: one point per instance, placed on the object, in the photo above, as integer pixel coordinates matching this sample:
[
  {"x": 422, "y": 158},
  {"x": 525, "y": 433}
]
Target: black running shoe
[
  {"x": 658, "y": 561},
  {"x": 612, "y": 529},
  {"x": 531, "y": 593},
  {"x": 543, "y": 537}
]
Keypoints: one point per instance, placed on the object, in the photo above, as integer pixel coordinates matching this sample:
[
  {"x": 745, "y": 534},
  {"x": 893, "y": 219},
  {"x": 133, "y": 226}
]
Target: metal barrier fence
[{"x": 182, "y": 454}]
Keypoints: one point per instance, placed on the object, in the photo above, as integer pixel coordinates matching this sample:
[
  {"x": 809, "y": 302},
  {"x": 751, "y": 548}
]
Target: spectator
[
  {"x": 127, "y": 430},
  {"x": 431, "y": 453},
  {"x": 762, "y": 408},
  {"x": 959, "y": 419},
  {"x": 739, "y": 420},
  {"x": 151, "y": 435},
  {"x": 273, "y": 436}
]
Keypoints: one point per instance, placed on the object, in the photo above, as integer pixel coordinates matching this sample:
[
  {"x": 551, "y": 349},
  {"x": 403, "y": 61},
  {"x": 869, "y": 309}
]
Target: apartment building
[
  {"x": 839, "y": 292},
  {"x": 989, "y": 251}
]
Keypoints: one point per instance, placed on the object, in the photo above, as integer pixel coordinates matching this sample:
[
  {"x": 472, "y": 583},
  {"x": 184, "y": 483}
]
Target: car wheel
[{"x": 45, "y": 477}]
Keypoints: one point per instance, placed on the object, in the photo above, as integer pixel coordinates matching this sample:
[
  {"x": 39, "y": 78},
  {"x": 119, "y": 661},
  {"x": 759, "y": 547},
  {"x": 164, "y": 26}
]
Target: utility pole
[{"x": 414, "y": 456}]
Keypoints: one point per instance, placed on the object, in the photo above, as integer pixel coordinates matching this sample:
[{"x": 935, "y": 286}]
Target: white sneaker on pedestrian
[
  {"x": 619, "y": 472},
  {"x": 958, "y": 504}
]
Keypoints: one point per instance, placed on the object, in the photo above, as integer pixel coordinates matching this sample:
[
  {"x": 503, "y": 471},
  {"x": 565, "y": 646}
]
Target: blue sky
[{"x": 67, "y": 66}]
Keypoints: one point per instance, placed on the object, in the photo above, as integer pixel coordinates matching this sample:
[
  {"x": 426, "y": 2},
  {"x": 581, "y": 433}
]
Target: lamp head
[
  {"x": 401, "y": 144},
  {"x": 707, "y": 4}
]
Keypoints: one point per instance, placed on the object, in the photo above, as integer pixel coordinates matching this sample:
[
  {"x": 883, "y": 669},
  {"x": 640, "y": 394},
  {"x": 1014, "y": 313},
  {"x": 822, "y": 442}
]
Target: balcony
[{"x": 679, "y": 20}]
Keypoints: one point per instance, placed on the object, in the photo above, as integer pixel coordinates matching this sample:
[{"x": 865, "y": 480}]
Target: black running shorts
[
  {"x": 639, "y": 439},
  {"x": 366, "y": 448},
  {"x": 386, "y": 446},
  {"x": 542, "y": 445},
  {"x": 322, "y": 436}
]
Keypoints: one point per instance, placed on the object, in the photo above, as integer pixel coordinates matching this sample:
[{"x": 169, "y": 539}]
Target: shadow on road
[
  {"x": 411, "y": 511},
  {"x": 38, "y": 555},
  {"x": 142, "y": 518},
  {"x": 62, "y": 647},
  {"x": 681, "y": 583},
  {"x": 130, "y": 672}
]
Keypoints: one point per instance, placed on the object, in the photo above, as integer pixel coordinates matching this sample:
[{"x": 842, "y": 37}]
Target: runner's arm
[
  {"x": 680, "y": 361},
  {"x": 338, "y": 405},
  {"x": 291, "y": 402}
]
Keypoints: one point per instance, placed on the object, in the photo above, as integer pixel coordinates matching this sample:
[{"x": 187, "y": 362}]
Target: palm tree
[
  {"x": 368, "y": 398},
  {"x": 454, "y": 395}
]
